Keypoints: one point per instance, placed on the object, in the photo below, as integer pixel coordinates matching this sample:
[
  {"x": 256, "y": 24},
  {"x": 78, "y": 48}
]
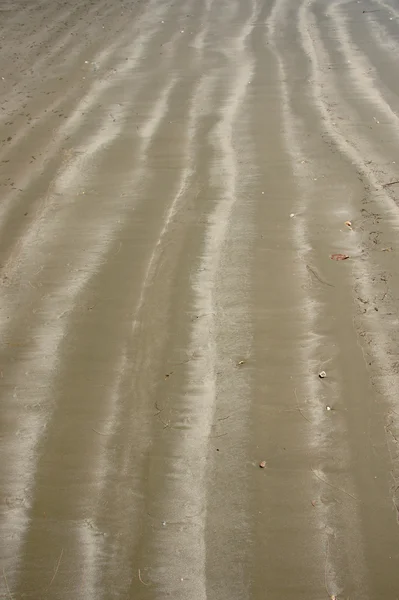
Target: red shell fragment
[{"x": 339, "y": 256}]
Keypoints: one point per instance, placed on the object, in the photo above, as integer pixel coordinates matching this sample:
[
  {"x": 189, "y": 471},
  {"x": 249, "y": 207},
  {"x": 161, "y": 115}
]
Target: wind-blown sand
[{"x": 174, "y": 178}]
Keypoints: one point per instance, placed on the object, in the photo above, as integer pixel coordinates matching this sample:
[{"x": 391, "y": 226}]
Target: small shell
[
  {"x": 339, "y": 256},
  {"x": 262, "y": 464},
  {"x": 322, "y": 374}
]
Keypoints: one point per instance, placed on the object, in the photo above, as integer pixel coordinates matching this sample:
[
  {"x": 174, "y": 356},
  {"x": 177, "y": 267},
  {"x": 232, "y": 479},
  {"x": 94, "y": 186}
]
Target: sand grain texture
[{"x": 175, "y": 178}]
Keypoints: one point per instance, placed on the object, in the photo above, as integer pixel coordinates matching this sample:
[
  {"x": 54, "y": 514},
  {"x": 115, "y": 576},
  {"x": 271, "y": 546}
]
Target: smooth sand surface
[{"x": 175, "y": 175}]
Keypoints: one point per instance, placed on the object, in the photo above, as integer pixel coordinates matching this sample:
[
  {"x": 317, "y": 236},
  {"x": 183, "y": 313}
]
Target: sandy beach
[{"x": 176, "y": 178}]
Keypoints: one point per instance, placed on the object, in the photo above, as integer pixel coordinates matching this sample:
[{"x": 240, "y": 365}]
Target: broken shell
[
  {"x": 348, "y": 224},
  {"x": 262, "y": 464},
  {"x": 322, "y": 374},
  {"x": 339, "y": 256}
]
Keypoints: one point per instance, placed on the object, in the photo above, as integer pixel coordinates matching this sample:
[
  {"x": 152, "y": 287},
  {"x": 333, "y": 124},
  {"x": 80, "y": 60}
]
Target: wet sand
[{"x": 174, "y": 178}]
